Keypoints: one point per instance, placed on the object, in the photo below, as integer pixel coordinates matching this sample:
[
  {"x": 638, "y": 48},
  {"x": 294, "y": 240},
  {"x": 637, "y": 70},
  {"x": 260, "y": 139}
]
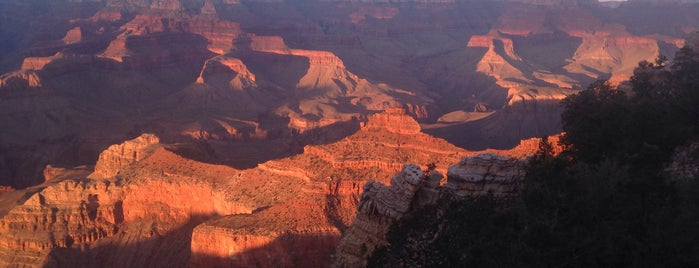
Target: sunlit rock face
[
  {"x": 494, "y": 69},
  {"x": 85, "y": 217},
  {"x": 70, "y": 213},
  {"x": 327, "y": 181},
  {"x": 393, "y": 120},
  {"x": 141, "y": 194},
  {"x": 274, "y": 114},
  {"x": 119, "y": 156}
]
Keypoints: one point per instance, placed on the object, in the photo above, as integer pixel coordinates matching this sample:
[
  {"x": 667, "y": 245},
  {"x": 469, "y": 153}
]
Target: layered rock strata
[
  {"x": 485, "y": 173},
  {"x": 381, "y": 206},
  {"x": 217, "y": 71},
  {"x": 330, "y": 179},
  {"x": 87, "y": 217},
  {"x": 72, "y": 213},
  {"x": 121, "y": 155},
  {"x": 206, "y": 70},
  {"x": 285, "y": 212}
]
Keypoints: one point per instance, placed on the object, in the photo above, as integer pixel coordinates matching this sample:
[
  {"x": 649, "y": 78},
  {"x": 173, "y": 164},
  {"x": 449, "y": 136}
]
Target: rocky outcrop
[
  {"x": 156, "y": 193},
  {"x": 118, "y": 156},
  {"x": 20, "y": 80},
  {"x": 381, "y": 206},
  {"x": 285, "y": 212},
  {"x": 226, "y": 70},
  {"x": 220, "y": 34},
  {"x": 72, "y": 213},
  {"x": 240, "y": 74},
  {"x": 51, "y": 172},
  {"x": 485, "y": 173},
  {"x": 321, "y": 64},
  {"x": 328, "y": 92},
  {"x": 394, "y": 120},
  {"x": 36, "y": 63},
  {"x": 323, "y": 200},
  {"x": 73, "y": 36},
  {"x": 499, "y": 60}
]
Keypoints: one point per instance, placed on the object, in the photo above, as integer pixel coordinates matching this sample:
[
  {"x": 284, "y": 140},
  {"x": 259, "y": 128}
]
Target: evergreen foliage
[{"x": 605, "y": 201}]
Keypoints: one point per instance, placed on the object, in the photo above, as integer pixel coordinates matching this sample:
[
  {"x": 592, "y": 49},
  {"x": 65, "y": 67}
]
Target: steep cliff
[
  {"x": 330, "y": 179},
  {"x": 378, "y": 208},
  {"x": 72, "y": 213},
  {"x": 118, "y": 156},
  {"x": 142, "y": 195},
  {"x": 381, "y": 206},
  {"x": 154, "y": 198},
  {"x": 290, "y": 90},
  {"x": 324, "y": 185},
  {"x": 230, "y": 70}
]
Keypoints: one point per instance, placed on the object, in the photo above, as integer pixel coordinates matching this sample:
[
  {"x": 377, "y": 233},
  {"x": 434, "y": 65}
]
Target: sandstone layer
[
  {"x": 263, "y": 109},
  {"x": 85, "y": 217},
  {"x": 332, "y": 179},
  {"x": 242, "y": 71},
  {"x": 285, "y": 212}
]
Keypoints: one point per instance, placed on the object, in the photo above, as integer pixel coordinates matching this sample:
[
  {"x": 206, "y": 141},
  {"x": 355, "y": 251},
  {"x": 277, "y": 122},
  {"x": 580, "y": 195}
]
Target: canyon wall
[
  {"x": 129, "y": 189},
  {"x": 381, "y": 206},
  {"x": 236, "y": 71},
  {"x": 285, "y": 212},
  {"x": 291, "y": 94}
]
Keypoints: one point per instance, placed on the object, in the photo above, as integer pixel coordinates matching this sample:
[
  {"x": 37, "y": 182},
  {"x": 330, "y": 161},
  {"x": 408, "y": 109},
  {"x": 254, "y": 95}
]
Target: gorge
[{"x": 219, "y": 133}]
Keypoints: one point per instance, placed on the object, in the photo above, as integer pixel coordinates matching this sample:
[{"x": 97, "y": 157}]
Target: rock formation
[
  {"x": 143, "y": 193},
  {"x": 227, "y": 70},
  {"x": 315, "y": 65},
  {"x": 380, "y": 206},
  {"x": 290, "y": 93},
  {"x": 156, "y": 193},
  {"x": 330, "y": 178},
  {"x": 485, "y": 173},
  {"x": 72, "y": 213},
  {"x": 20, "y": 80},
  {"x": 393, "y": 120},
  {"x": 73, "y": 36},
  {"x": 328, "y": 184},
  {"x": 118, "y": 156}
]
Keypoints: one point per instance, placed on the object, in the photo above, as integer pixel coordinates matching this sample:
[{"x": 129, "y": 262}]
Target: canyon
[
  {"x": 144, "y": 205},
  {"x": 223, "y": 132}
]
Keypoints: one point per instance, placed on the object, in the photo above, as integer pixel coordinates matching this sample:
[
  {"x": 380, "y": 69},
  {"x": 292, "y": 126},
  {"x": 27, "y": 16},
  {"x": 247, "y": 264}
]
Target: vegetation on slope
[{"x": 607, "y": 200}]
